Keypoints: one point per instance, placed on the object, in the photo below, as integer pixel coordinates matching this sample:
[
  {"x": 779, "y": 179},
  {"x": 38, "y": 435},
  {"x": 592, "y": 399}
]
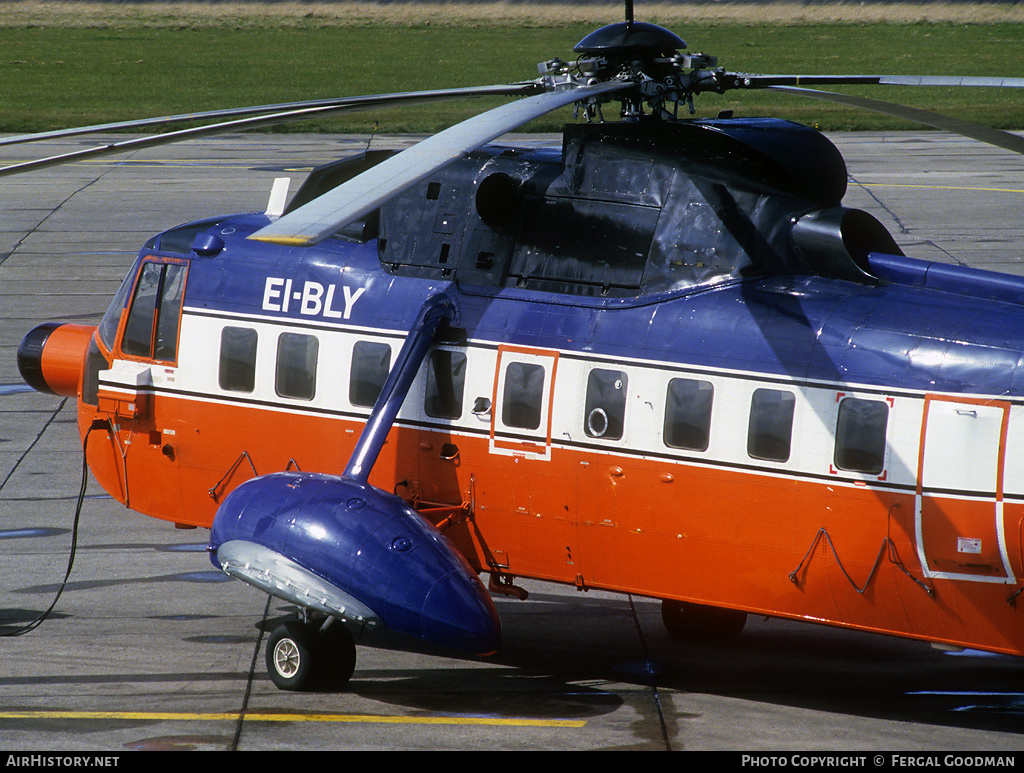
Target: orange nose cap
[{"x": 52, "y": 356}]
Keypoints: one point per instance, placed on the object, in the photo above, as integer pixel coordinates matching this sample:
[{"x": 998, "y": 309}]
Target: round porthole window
[{"x": 597, "y": 423}]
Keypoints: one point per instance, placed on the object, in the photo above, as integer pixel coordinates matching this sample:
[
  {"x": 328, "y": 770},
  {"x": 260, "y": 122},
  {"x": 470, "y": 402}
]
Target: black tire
[
  {"x": 301, "y": 657},
  {"x": 696, "y": 622},
  {"x": 291, "y": 656},
  {"x": 337, "y": 654}
]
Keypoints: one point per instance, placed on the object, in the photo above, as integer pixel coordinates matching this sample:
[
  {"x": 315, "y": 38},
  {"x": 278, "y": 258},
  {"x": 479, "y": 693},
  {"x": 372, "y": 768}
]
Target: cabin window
[
  {"x": 371, "y": 363},
  {"x": 237, "y": 359},
  {"x": 296, "y": 365},
  {"x": 860, "y": 435},
  {"x": 688, "y": 414},
  {"x": 446, "y": 381},
  {"x": 605, "y": 408},
  {"x": 151, "y": 329},
  {"x": 523, "y": 395},
  {"x": 770, "y": 430}
]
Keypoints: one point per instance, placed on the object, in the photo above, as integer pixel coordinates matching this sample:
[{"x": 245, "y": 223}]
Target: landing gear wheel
[
  {"x": 338, "y": 654},
  {"x": 290, "y": 656},
  {"x": 696, "y": 622},
  {"x": 301, "y": 656}
]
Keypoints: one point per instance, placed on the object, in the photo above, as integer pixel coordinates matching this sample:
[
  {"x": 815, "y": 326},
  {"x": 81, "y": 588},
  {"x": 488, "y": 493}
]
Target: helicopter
[{"x": 663, "y": 359}]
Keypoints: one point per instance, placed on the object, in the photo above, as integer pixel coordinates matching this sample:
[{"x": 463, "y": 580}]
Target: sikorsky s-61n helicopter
[{"x": 663, "y": 360}]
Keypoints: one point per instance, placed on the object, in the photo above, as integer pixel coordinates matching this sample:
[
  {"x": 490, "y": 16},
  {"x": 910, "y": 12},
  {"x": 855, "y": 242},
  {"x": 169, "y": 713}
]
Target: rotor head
[
  {"x": 645, "y": 54},
  {"x": 630, "y": 39}
]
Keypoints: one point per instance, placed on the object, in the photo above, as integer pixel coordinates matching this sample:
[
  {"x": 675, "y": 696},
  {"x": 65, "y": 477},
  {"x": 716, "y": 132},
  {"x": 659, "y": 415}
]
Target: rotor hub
[
  {"x": 629, "y": 49},
  {"x": 637, "y": 52},
  {"x": 630, "y": 39}
]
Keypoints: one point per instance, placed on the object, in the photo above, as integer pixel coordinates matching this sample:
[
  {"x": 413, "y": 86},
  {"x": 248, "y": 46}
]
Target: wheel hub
[{"x": 287, "y": 658}]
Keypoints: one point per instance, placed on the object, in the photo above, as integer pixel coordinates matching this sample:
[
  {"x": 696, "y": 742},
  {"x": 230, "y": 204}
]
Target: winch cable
[{"x": 31, "y": 626}]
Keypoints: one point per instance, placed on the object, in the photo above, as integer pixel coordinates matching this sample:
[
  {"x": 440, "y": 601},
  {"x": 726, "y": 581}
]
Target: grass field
[{"x": 67, "y": 63}]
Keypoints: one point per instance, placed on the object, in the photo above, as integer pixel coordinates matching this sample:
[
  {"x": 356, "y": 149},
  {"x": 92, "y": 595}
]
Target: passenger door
[{"x": 959, "y": 502}]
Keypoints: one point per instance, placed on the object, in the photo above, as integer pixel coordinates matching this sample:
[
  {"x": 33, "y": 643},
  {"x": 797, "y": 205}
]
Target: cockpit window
[
  {"x": 112, "y": 317},
  {"x": 165, "y": 345},
  {"x": 151, "y": 330}
]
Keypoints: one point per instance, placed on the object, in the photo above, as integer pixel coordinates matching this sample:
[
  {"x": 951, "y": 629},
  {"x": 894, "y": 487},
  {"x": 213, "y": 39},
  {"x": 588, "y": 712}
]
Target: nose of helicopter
[{"x": 51, "y": 358}]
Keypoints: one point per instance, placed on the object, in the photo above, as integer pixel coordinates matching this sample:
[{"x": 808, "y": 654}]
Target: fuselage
[{"x": 780, "y": 441}]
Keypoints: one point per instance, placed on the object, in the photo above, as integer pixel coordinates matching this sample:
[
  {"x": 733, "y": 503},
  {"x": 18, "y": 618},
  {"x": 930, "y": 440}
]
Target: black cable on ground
[{"x": 74, "y": 546}]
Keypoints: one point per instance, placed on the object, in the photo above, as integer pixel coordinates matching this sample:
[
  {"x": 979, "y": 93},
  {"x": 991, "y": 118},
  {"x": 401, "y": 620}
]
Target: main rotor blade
[
  {"x": 359, "y": 196},
  {"x": 165, "y": 120},
  {"x": 258, "y": 118},
  {"x": 976, "y": 131},
  {"x": 755, "y": 81}
]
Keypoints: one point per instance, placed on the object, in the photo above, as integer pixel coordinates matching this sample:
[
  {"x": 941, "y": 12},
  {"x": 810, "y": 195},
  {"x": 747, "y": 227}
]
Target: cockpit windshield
[
  {"x": 112, "y": 316},
  {"x": 151, "y": 328}
]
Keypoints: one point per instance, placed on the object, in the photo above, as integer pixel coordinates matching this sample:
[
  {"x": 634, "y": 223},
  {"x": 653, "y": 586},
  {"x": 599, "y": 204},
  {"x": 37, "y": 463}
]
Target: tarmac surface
[{"x": 150, "y": 648}]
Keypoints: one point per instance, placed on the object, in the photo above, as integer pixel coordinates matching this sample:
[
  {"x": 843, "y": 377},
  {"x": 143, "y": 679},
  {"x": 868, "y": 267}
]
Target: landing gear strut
[
  {"x": 696, "y": 622},
  {"x": 306, "y": 655}
]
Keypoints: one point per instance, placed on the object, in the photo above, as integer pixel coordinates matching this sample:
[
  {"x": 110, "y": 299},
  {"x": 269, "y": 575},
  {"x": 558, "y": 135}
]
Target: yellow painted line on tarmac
[
  {"x": 939, "y": 187},
  {"x": 173, "y": 716}
]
